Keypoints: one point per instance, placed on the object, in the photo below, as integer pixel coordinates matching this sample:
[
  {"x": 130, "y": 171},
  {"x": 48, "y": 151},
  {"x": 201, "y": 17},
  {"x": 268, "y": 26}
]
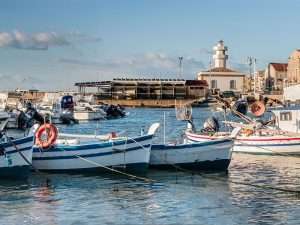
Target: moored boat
[
  {"x": 280, "y": 144},
  {"x": 82, "y": 155},
  {"x": 15, "y": 157},
  {"x": 202, "y": 137},
  {"x": 209, "y": 155},
  {"x": 269, "y": 141}
]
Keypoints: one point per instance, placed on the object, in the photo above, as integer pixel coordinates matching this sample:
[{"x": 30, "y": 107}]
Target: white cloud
[
  {"x": 144, "y": 65},
  {"x": 42, "y": 40}
]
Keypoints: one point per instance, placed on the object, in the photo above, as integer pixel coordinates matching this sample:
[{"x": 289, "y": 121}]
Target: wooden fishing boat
[
  {"x": 262, "y": 141},
  {"x": 203, "y": 137},
  {"x": 83, "y": 154},
  {"x": 285, "y": 144},
  {"x": 209, "y": 155},
  {"x": 15, "y": 157}
]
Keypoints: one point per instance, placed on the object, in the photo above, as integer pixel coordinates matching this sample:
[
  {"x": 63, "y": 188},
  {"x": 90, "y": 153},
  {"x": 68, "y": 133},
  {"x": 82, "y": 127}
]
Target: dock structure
[{"x": 146, "y": 92}]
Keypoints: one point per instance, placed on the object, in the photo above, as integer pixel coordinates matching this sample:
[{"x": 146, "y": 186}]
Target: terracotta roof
[
  {"x": 282, "y": 67},
  {"x": 220, "y": 69}
]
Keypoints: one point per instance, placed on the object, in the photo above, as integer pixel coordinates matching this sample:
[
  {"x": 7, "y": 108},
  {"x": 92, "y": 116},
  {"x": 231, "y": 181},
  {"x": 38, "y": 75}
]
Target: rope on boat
[{"x": 117, "y": 171}]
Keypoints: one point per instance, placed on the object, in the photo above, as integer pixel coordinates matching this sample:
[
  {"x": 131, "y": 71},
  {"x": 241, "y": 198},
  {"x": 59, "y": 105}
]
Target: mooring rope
[
  {"x": 21, "y": 154},
  {"x": 116, "y": 171}
]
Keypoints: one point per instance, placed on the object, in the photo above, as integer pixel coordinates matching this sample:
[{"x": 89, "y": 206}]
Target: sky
[{"x": 51, "y": 44}]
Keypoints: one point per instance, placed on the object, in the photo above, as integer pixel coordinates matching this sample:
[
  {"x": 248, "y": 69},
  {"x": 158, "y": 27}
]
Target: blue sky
[{"x": 52, "y": 44}]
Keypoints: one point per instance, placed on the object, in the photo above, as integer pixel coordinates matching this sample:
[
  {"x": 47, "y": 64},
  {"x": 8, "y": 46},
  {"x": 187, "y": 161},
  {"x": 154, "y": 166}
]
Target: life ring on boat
[{"x": 46, "y": 136}]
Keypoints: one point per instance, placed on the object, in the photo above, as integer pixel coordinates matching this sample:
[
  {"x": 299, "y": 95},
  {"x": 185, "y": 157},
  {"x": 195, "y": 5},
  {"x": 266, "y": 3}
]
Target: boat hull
[
  {"x": 88, "y": 115},
  {"x": 211, "y": 155},
  {"x": 126, "y": 155},
  {"x": 266, "y": 145},
  {"x": 270, "y": 146},
  {"x": 12, "y": 162}
]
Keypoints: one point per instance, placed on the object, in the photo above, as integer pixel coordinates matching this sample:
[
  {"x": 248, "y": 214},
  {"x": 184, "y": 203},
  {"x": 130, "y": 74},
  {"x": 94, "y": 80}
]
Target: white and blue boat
[
  {"x": 15, "y": 157},
  {"x": 82, "y": 154},
  {"x": 209, "y": 155}
]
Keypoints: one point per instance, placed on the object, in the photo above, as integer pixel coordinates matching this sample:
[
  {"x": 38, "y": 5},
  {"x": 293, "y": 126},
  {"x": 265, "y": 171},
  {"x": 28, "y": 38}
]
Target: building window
[
  {"x": 285, "y": 116},
  {"x": 213, "y": 84},
  {"x": 232, "y": 84}
]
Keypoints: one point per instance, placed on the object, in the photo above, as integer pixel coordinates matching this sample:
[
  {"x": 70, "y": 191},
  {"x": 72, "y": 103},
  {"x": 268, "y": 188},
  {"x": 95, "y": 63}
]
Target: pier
[{"x": 146, "y": 92}]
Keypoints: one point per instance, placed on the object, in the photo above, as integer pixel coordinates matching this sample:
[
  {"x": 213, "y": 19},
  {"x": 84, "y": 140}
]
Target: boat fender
[
  {"x": 112, "y": 135},
  {"x": 46, "y": 136},
  {"x": 247, "y": 132},
  {"x": 257, "y": 108}
]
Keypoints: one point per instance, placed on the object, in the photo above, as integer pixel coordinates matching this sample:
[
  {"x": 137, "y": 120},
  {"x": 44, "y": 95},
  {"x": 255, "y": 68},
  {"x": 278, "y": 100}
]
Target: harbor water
[{"x": 241, "y": 196}]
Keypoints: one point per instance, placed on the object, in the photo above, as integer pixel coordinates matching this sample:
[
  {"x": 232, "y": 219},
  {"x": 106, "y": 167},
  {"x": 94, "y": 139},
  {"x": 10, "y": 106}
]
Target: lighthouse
[
  {"x": 220, "y": 78},
  {"x": 220, "y": 57}
]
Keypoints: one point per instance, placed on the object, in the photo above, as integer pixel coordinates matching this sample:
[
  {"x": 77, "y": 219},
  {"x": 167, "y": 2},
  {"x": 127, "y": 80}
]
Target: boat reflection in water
[{"x": 265, "y": 205}]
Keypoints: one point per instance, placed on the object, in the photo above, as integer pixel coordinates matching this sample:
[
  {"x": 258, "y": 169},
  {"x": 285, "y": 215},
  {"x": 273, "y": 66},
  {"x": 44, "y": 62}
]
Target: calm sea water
[{"x": 175, "y": 197}]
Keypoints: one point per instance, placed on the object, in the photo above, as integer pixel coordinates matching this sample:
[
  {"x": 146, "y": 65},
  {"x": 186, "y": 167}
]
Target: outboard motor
[
  {"x": 31, "y": 115},
  {"x": 113, "y": 112},
  {"x": 211, "y": 125},
  {"x": 67, "y": 107},
  {"x": 241, "y": 106},
  {"x": 191, "y": 126}
]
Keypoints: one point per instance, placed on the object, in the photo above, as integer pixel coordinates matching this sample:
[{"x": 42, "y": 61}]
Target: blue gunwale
[
  {"x": 17, "y": 141},
  {"x": 89, "y": 155},
  {"x": 93, "y": 145}
]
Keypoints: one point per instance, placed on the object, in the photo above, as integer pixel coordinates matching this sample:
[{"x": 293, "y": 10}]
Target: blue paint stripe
[
  {"x": 94, "y": 145},
  {"x": 187, "y": 146},
  {"x": 17, "y": 142},
  {"x": 89, "y": 155},
  {"x": 19, "y": 150}
]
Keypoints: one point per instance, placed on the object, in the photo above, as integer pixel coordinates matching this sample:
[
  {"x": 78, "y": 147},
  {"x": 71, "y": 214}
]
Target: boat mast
[{"x": 164, "y": 127}]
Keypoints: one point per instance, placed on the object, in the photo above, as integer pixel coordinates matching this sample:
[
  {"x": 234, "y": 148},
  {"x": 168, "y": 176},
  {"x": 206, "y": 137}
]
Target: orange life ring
[{"x": 46, "y": 135}]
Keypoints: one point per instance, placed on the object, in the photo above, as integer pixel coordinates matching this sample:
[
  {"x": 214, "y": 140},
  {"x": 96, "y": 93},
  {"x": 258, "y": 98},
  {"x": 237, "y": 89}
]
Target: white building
[
  {"x": 291, "y": 93},
  {"x": 220, "y": 78}
]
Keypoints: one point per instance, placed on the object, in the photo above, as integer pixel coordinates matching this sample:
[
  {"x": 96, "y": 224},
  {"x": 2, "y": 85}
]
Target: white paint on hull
[
  {"x": 66, "y": 158},
  {"x": 190, "y": 153}
]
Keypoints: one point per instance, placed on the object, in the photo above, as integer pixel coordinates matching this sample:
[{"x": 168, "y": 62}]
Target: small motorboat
[
  {"x": 84, "y": 111},
  {"x": 114, "y": 111},
  {"x": 60, "y": 112},
  {"x": 208, "y": 155},
  {"x": 86, "y": 153},
  {"x": 15, "y": 156}
]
